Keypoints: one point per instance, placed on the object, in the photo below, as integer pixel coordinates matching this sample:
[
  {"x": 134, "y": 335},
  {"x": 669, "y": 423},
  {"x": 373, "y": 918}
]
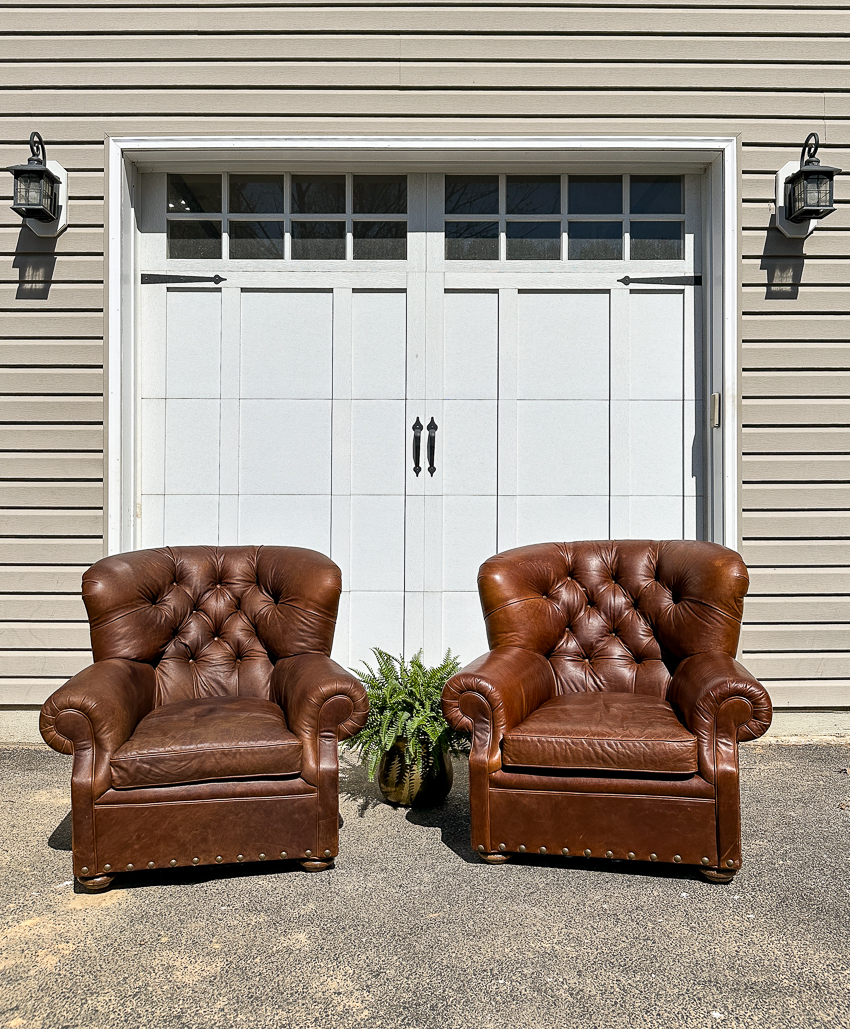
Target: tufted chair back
[
  {"x": 212, "y": 620},
  {"x": 615, "y": 615}
]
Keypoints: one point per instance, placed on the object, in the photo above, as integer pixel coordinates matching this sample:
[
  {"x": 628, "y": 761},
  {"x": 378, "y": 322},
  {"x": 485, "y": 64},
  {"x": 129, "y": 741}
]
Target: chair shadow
[
  {"x": 194, "y": 876},
  {"x": 60, "y": 838}
]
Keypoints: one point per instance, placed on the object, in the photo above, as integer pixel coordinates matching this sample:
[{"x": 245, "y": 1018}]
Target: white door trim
[{"x": 127, "y": 155}]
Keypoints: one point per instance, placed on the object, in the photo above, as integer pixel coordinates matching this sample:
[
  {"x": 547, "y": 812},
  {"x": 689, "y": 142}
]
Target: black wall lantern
[
  {"x": 804, "y": 194},
  {"x": 808, "y": 192},
  {"x": 36, "y": 187}
]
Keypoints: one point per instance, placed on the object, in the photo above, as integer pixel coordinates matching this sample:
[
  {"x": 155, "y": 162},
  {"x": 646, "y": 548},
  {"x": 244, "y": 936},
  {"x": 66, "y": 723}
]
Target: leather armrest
[
  {"x": 495, "y": 693},
  {"x": 101, "y": 706},
  {"x": 319, "y": 696},
  {"x": 721, "y": 703}
]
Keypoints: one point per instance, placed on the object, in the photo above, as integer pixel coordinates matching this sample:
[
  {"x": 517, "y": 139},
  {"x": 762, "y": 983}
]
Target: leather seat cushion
[
  {"x": 207, "y": 738},
  {"x": 624, "y": 732}
]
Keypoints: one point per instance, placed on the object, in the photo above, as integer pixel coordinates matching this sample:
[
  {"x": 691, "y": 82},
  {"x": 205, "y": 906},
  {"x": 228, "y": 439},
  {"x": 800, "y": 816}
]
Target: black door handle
[
  {"x": 432, "y": 432},
  {"x": 417, "y": 445}
]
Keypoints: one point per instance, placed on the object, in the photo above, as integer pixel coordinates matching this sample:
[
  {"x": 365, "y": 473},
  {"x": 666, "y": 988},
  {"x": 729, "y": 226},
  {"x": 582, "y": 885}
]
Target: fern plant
[{"x": 404, "y": 706}]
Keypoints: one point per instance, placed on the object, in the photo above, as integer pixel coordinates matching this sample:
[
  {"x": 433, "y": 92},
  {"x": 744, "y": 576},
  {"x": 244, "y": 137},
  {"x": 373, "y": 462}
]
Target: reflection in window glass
[
  {"x": 534, "y": 194},
  {"x": 380, "y": 241},
  {"x": 256, "y": 194},
  {"x": 318, "y": 241},
  {"x": 656, "y": 194},
  {"x": 194, "y": 240},
  {"x": 258, "y": 241},
  {"x": 380, "y": 194},
  {"x": 533, "y": 241},
  {"x": 595, "y": 241},
  {"x": 472, "y": 241},
  {"x": 472, "y": 194},
  {"x": 595, "y": 194},
  {"x": 318, "y": 194},
  {"x": 656, "y": 241},
  {"x": 194, "y": 193}
]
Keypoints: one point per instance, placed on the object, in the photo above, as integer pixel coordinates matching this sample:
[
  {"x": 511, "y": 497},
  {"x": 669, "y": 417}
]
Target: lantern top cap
[
  {"x": 37, "y": 160},
  {"x": 808, "y": 158}
]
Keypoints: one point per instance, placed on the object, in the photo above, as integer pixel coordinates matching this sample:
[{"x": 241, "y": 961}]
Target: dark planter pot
[{"x": 405, "y": 785}]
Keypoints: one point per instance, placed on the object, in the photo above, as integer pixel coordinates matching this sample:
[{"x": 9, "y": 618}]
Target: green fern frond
[{"x": 405, "y": 705}]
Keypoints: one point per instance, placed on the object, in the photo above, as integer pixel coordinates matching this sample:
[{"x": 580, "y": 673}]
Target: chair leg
[
  {"x": 715, "y": 875},
  {"x": 313, "y": 865},
  {"x": 96, "y": 883},
  {"x": 494, "y": 859}
]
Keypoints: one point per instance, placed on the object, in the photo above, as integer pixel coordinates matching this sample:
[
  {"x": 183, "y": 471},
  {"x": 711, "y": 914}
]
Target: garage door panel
[{"x": 287, "y": 345}]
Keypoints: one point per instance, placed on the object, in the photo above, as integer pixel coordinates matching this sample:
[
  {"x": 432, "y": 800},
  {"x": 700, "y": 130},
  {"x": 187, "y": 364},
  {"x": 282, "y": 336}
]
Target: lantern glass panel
[{"x": 29, "y": 189}]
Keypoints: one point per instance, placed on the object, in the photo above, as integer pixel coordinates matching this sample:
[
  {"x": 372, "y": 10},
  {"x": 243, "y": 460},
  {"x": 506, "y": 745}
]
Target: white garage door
[{"x": 550, "y": 400}]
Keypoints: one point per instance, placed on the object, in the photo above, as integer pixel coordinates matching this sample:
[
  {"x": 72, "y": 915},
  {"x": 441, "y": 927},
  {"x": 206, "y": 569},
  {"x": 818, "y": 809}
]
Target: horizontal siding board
[
  {"x": 791, "y": 525},
  {"x": 795, "y": 412},
  {"x": 51, "y": 437},
  {"x": 35, "y": 663},
  {"x": 46, "y": 324},
  {"x": 761, "y": 244},
  {"x": 24, "y": 267},
  {"x": 793, "y": 440},
  {"x": 51, "y": 466},
  {"x": 383, "y": 19},
  {"x": 40, "y": 296},
  {"x": 793, "y": 583},
  {"x": 776, "y": 271},
  {"x": 50, "y": 495},
  {"x": 416, "y": 102},
  {"x": 825, "y": 693},
  {"x": 788, "y": 610},
  {"x": 802, "y": 327},
  {"x": 44, "y": 636},
  {"x": 792, "y": 300},
  {"x": 805, "y": 497},
  {"x": 792, "y": 638},
  {"x": 18, "y": 607},
  {"x": 469, "y": 74},
  {"x": 65, "y": 353},
  {"x": 31, "y": 579},
  {"x": 56, "y": 523},
  {"x": 796, "y": 384},
  {"x": 50, "y": 552},
  {"x": 797, "y": 355},
  {"x": 88, "y": 241},
  {"x": 28, "y": 692},
  {"x": 795, "y": 468},
  {"x": 46, "y": 380},
  {"x": 811, "y": 666},
  {"x": 818, "y": 553},
  {"x": 445, "y": 46}
]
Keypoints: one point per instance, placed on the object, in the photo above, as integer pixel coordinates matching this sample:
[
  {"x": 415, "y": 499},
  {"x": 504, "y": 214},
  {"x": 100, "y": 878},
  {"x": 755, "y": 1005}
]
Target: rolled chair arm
[
  {"x": 319, "y": 696},
  {"x": 496, "y": 692},
  {"x": 100, "y": 707},
  {"x": 721, "y": 703}
]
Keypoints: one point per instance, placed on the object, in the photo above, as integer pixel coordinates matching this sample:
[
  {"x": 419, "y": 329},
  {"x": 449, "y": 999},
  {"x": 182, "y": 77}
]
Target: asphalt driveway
[{"x": 411, "y": 931}]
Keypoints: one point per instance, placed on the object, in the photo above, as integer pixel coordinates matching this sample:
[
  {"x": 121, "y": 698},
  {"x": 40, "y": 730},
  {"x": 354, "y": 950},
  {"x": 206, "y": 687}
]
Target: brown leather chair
[
  {"x": 606, "y": 718},
  {"x": 206, "y": 730}
]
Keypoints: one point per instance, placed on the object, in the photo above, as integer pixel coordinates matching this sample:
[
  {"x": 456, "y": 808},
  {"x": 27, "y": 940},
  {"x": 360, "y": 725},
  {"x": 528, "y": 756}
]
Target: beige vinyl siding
[{"x": 769, "y": 73}]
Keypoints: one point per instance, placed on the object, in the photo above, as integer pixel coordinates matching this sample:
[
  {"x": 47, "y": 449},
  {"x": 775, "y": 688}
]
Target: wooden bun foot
[
  {"x": 96, "y": 883},
  {"x": 714, "y": 875},
  {"x": 312, "y": 865},
  {"x": 494, "y": 859}
]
